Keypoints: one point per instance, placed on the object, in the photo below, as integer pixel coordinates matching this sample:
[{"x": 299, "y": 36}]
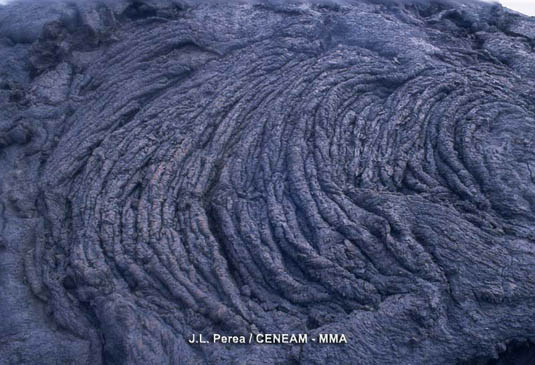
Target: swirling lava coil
[{"x": 366, "y": 169}]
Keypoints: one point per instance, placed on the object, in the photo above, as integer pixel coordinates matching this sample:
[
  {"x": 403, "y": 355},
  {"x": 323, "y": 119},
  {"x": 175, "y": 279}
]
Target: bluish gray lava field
[{"x": 172, "y": 168}]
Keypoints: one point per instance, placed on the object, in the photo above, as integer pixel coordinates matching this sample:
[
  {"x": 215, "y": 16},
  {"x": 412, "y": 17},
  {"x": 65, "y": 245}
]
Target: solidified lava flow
[{"x": 173, "y": 168}]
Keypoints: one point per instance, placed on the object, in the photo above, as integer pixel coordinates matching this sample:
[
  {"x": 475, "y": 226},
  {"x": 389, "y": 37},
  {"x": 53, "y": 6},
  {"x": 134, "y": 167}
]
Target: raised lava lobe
[{"x": 360, "y": 167}]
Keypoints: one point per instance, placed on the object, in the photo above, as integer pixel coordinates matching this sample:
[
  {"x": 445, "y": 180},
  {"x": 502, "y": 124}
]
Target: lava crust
[{"x": 364, "y": 168}]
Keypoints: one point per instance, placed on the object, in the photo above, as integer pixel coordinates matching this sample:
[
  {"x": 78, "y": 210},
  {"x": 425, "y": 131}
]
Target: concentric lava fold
[{"x": 363, "y": 168}]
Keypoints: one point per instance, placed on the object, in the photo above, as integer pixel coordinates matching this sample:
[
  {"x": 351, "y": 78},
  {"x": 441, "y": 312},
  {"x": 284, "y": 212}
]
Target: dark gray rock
[{"x": 360, "y": 167}]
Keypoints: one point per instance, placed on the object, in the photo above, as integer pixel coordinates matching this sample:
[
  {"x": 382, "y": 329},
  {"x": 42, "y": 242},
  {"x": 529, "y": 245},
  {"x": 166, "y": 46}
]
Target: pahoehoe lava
[{"x": 358, "y": 167}]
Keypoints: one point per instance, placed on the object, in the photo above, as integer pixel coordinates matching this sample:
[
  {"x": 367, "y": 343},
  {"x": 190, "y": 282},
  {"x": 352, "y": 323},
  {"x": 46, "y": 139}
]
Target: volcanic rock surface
[{"x": 170, "y": 168}]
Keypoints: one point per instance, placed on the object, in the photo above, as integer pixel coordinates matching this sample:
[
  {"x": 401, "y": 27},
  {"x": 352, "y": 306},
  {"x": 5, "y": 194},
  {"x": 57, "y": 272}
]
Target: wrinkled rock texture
[{"x": 170, "y": 168}]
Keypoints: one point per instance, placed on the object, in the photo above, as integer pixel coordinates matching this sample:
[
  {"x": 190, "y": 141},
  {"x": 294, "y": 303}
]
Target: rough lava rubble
[{"x": 361, "y": 167}]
